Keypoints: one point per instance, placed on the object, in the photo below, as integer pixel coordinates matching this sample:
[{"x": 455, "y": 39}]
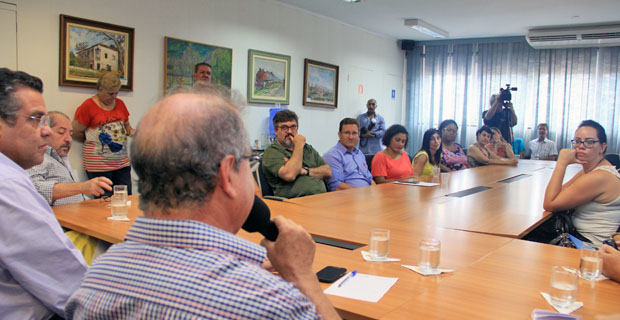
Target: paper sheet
[
  {"x": 362, "y": 287},
  {"x": 417, "y": 183}
]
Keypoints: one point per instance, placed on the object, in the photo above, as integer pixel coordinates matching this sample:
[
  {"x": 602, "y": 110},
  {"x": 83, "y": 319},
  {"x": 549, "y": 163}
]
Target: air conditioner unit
[{"x": 575, "y": 37}]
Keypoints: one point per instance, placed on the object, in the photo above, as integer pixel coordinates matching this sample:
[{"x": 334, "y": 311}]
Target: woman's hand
[{"x": 568, "y": 156}]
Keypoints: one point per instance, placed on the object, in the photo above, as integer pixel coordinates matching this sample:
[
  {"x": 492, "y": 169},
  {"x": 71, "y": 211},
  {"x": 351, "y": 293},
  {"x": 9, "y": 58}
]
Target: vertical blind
[{"x": 560, "y": 87}]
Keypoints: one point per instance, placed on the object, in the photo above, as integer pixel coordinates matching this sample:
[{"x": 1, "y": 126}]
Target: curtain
[{"x": 560, "y": 87}]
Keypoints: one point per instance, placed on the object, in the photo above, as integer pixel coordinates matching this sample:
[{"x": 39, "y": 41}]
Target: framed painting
[
  {"x": 268, "y": 77},
  {"x": 320, "y": 84},
  {"x": 89, "y": 48},
  {"x": 181, "y": 56}
]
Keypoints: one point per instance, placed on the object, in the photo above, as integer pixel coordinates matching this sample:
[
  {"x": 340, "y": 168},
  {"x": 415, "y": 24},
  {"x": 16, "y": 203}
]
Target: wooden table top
[{"x": 506, "y": 284}]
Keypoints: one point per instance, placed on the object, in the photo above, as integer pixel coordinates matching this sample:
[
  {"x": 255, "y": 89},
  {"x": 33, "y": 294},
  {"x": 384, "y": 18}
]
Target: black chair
[
  {"x": 369, "y": 160},
  {"x": 261, "y": 180},
  {"x": 614, "y": 159}
]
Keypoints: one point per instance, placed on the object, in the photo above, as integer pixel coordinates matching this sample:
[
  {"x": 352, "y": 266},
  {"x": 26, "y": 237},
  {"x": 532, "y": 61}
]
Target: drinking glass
[
  {"x": 429, "y": 253},
  {"x": 118, "y": 204},
  {"x": 590, "y": 264},
  {"x": 379, "y": 243},
  {"x": 563, "y": 286}
]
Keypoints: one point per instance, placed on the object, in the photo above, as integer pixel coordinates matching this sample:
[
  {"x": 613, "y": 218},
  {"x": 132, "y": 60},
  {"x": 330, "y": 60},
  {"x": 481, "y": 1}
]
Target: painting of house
[{"x": 99, "y": 57}]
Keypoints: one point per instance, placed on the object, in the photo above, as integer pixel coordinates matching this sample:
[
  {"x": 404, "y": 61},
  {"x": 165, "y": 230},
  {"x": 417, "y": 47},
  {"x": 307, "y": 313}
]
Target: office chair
[
  {"x": 261, "y": 180},
  {"x": 614, "y": 159},
  {"x": 369, "y": 158}
]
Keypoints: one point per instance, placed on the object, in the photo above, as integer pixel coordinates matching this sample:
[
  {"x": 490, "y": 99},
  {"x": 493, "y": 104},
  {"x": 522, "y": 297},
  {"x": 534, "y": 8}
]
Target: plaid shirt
[
  {"x": 182, "y": 269},
  {"x": 50, "y": 172}
]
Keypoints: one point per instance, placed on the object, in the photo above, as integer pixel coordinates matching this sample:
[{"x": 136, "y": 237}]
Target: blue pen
[{"x": 347, "y": 278}]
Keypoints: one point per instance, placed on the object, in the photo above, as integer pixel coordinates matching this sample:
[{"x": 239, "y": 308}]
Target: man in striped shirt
[
  {"x": 182, "y": 259},
  {"x": 542, "y": 148}
]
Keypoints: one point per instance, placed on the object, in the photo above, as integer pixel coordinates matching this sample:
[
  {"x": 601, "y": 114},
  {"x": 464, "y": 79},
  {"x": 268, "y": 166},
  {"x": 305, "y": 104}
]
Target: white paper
[
  {"x": 417, "y": 183},
  {"x": 119, "y": 218},
  {"x": 366, "y": 256},
  {"x": 363, "y": 287},
  {"x": 567, "y": 310}
]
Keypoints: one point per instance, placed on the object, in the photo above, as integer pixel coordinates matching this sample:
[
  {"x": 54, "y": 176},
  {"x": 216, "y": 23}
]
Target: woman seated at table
[
  {"x": 479, "y": 155},
  {"x": 393, "y": 162},
  {"x": 453, "y": 157},
  {"x": 594, "y": 192},
  {"x": 429, "y": 155},
  {"x": 499, "y": 146}
]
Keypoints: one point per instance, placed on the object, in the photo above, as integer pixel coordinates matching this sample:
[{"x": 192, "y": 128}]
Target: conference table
[{"x": 478, "y": 216}]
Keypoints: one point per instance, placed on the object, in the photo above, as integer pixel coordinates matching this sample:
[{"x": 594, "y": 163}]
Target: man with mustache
[
  {"x": 53, "y": 177},
  {"x": 292, "y": 167}
]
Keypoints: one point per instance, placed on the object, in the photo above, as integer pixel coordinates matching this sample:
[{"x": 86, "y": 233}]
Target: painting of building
[{"x": 99, "y": 57}]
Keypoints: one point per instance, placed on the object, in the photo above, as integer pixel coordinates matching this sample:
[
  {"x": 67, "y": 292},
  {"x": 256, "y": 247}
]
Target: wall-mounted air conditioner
[{"x": 575, "y": 37}]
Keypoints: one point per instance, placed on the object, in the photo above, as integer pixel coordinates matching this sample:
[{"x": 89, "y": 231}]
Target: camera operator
[
  {"x": 372, "y": 128},
  {"x": 501, "y": 114}
]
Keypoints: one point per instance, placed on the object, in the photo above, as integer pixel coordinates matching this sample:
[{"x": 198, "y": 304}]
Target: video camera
[{"x": 504, "y": 94}]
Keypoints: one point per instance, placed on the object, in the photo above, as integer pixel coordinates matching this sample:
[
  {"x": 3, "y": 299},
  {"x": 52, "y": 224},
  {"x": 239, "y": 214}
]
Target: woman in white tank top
[{"x": 594, "y": 192}]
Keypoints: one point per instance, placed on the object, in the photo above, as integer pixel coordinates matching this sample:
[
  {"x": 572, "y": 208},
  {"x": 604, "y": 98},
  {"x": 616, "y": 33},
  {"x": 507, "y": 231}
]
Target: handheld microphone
[{"x": 259, "y": 220}]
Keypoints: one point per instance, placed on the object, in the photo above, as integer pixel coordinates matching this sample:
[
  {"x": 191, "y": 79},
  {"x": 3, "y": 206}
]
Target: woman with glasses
[
  {"x": 392, "y": 163},
  {"x": 453, "y": 156},
  {"x": 429, "y": 155},
  {"x": 479, "y": 155},
  {"x": 594, "y": 192},
  {"x": 102, "y": 123},
  {"x": 499, "y": 146}
]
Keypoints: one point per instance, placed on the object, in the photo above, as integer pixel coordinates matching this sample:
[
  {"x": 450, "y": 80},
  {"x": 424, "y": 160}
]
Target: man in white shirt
[{"x": 542, "y": 148}]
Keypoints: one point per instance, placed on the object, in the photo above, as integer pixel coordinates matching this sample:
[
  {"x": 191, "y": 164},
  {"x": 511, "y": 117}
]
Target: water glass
[
  {"x": 118, "y": 204},
  {"x": 429, "y": 253},
  {"x": 563, "y": 286},
  {"x": 445, "y": 178},
  {"x": 379, "y": 243},
  {"x": 436, "y": 172},
  {"x": 590, "y": 264}
]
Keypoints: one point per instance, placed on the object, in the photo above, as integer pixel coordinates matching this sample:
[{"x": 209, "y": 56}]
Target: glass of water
[
  {"x": 119, "y": 201},
  {"x": 429, "y": 254},
  {"x": 590, "y": 264},
  {"x": 379, "y": 243},
  {"x": 563, "y": 286}
]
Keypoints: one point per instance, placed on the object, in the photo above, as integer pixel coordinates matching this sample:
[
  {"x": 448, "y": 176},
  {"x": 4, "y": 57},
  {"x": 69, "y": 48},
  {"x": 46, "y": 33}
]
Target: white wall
[{"x": 364, "y": 58}]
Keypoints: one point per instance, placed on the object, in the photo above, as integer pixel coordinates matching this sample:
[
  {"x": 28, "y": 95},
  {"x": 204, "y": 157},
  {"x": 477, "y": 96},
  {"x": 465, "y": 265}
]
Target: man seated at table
[
  {"x": 191, "y": 154},
  {"x": 40, "y": 267},
  {"x": 542, "y": 148},
  {"x": 53, "y": 178},
  {"x": 292, "y": 167},
  {"x": 348, "y": 163}
]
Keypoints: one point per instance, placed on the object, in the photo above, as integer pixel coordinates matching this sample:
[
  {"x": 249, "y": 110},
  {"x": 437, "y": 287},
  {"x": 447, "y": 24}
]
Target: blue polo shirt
[{"x": 348, "y": 167}]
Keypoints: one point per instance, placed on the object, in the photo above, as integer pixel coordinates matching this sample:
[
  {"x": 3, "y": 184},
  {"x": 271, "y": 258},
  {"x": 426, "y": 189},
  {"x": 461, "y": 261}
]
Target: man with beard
[
  {"x": 292, "y": 167},
  {"x": 53, "y": 177}
]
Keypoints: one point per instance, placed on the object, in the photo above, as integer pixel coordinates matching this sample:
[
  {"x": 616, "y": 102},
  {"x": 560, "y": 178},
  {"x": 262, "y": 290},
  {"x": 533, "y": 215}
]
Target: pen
[{"x": 347, "y": 278}]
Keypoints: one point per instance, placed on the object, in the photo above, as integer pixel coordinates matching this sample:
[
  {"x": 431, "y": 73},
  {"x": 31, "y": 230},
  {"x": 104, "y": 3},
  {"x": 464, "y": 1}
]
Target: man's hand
[
  {"x": 293, "y": 251},
  {"x": 96, "y": 186},
  {"x": 299, "y": 140}
]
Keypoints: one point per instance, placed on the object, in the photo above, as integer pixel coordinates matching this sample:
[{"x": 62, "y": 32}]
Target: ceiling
[{"x": 462, "y": 18}]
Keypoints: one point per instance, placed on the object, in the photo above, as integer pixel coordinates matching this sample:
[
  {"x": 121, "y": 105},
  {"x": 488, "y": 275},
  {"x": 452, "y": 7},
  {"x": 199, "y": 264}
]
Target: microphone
[{"x": 259, "y": 220}]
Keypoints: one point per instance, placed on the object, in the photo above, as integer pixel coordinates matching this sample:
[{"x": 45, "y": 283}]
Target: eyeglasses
[
  {"x": 586, "y": 143},
  {"x": 253, "y": 157},
  {"x": 449, "y": 130},
  {"x": 43, "y": 120},
  {"x": 286, "y": 128}
]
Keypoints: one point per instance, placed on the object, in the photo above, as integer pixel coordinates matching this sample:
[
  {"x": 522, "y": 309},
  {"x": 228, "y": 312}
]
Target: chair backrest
[
  {"x": 369, "y": 160},
  {"x": 614, "y": 159},
  {"x": 265, "y": 188}
]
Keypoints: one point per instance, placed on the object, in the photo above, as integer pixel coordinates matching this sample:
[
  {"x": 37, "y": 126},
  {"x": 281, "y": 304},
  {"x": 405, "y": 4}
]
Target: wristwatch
[{"x": 307, "y": 170}]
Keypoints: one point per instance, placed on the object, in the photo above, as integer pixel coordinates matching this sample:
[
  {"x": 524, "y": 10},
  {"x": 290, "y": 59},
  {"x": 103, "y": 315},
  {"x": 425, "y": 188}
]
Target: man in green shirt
[{"x": 292, "y": 167}]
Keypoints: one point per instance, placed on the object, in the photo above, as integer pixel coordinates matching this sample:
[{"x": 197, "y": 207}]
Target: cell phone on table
[{"x": 330, "y": 274}]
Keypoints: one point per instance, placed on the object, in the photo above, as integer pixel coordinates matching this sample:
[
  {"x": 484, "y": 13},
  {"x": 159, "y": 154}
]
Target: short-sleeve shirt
[
  {"x": 541, "y": 150},
  {"x": 384, "y": 166},
  {"x": 105, "y": 148},
  {"x": 348, "y": 167},
  {"x": 274, "y": 159},
  {"x": 427, "y": 170}
]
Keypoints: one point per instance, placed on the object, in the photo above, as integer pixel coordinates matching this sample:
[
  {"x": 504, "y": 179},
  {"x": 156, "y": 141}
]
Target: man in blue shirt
[
  {"x": 40, "y": 268},
  {"x": 348, "y": 163},
  {"x": 372, "y": 128}
]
